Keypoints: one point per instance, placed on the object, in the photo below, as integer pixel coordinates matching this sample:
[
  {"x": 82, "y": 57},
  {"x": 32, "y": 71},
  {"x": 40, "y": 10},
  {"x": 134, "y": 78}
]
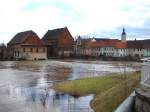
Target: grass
[{"x": 109, "y": 91}]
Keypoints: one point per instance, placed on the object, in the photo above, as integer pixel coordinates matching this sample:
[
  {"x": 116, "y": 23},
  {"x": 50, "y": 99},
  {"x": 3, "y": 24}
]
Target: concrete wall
[
  {"x": 142, "y": 101},
  {"x": 141, "y": 106}
]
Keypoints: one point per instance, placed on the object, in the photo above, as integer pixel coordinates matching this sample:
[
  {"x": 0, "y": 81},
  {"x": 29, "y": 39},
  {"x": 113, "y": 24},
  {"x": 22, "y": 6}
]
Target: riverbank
[{"x": 109, "y": 91}]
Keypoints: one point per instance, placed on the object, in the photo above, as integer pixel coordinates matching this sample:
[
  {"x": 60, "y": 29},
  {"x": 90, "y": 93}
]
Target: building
[
  {"x": 123, "y": 36},
  {"x": 146, "y": 46},
  {"x": 3, "y": 52},
  {"x": 93, "y": 48},
  {"x": 59, "y": 42},
  {"x": 98, "y": 47},
  {"x": 135, "y": 48},
  {"x": 120, "y": 49},
  {"x": 103, "y": 47},
  {"x": 109, "y": 47},
  {"x": 27, "y": 46},
  {"x": 80, "y": 46}
]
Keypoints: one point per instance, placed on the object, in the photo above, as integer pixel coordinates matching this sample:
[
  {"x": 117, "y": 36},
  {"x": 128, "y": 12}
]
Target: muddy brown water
[{"x": 24, "y": 84}]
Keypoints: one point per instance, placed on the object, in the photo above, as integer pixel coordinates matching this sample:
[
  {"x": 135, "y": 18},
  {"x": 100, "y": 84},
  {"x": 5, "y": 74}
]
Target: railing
[{"x": 145, "y": 73}]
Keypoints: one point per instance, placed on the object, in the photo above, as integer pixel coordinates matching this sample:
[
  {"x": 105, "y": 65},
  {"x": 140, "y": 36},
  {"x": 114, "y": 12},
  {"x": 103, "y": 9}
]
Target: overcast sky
[{"x": 99, "y": 18}]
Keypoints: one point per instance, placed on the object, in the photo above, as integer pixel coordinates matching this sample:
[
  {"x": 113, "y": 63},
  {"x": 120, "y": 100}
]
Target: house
[
  {"x": 93, "y": 48},
  {"x": 135, "y": 48},
  {"x": 59, "y": 42},
  {"x": 80, "y": 44},
  {"x": 27, "y": 46},
  {"x": 146, "y": 46},
  {"x": 109, "y": 47},
  {"x": 101, "y": 47},
  {"x": 120, "y": 49},
  {"x": 89, "y": 46},
  {"x": 3, "y": 52}
]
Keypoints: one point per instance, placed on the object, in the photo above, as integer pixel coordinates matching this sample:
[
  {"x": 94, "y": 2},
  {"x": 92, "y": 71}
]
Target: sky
[{"x": 99, "y": 18}]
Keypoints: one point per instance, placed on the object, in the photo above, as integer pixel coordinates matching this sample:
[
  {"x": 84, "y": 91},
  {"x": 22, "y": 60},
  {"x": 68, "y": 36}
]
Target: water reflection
[
  {"x": 46, "y": 101},
  {"x": 26, "y": 84}
]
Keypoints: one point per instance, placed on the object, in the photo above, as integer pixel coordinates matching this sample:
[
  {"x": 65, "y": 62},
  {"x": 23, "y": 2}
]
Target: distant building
[
  {"x": 80, "y": 44},
  {"x": 59, "y": 42},
  {"x": 120, "y": 49},
  {"x": 135, "y": 48},
  {"x": 27, "y": 46},
  {"x": 98, "y": 47},
  {"x": 93, "y": 48},
  {"x": 3, "y": 52},
  {"x": 146, "y": 46},
  {"x": 109, "y": 47},
  {"x": 105, "y": 47}
]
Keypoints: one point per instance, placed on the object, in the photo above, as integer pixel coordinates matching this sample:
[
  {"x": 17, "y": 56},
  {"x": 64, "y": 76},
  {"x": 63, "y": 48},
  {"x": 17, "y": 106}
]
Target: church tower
[{"x": 123, "y": 35}]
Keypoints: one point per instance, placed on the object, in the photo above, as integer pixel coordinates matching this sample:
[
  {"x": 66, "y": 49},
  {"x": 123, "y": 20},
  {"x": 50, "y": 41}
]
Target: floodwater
[{"x": 24, "y": 85}]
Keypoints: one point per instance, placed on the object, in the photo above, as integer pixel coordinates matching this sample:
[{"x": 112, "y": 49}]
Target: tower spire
[
  {"x": 123, "y": 35},
  {"x": 123, "y": 32}
]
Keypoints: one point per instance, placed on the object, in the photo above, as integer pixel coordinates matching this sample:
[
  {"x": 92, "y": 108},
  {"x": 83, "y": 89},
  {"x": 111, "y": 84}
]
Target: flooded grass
[{"x": 109, "y": 91}]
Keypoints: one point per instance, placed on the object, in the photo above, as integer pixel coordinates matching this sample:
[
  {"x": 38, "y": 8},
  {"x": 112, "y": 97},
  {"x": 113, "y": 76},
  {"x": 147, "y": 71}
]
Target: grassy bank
[{"x": 109, "y": 91}]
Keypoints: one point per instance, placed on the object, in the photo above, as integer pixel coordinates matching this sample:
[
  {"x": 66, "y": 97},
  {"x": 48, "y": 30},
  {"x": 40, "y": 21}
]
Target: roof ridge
[
  {"x": 57, "y": 29},
  {"x": 21, "y": 37}
]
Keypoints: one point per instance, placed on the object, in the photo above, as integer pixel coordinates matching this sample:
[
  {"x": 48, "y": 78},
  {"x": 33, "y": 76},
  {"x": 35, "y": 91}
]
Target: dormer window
[{"x": 78, "y": 42}]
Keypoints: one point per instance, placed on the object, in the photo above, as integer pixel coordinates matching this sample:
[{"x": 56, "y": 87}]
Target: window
[
  {"x": 37, "y": 49},
  {"x": 43, "y": 49},
  {"x": 24, "y": 49},
  {"x": 15, "y": 53},
  {"x": 78, "y": 42},
  {"x": 31, "y": 49},
  {"x": 18, "y": 54}
]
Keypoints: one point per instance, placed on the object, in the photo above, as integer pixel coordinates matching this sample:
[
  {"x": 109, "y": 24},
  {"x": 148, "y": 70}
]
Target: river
[{"x": 24, "y": 85}]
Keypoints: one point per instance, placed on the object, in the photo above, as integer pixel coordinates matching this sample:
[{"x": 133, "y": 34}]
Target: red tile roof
[
  {"x": 138, "y": 44},
  {"x": 120, "y": 45},
  {"x": 105, "y": 43}
]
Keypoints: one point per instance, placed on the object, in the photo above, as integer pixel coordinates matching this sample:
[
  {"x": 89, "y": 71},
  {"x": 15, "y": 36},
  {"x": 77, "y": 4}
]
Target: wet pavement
[{"x": 24, "y": 85}]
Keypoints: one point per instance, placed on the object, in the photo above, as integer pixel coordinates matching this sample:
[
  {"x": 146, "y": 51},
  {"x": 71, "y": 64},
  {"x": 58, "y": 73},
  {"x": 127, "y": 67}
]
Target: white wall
[{"x": 34, "y": 56}]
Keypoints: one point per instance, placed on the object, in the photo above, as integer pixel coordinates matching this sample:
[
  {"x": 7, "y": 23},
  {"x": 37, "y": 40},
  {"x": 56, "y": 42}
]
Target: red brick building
[
  {"x": 59, "y": 42},
  {"x": 28, "y": 46}
]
